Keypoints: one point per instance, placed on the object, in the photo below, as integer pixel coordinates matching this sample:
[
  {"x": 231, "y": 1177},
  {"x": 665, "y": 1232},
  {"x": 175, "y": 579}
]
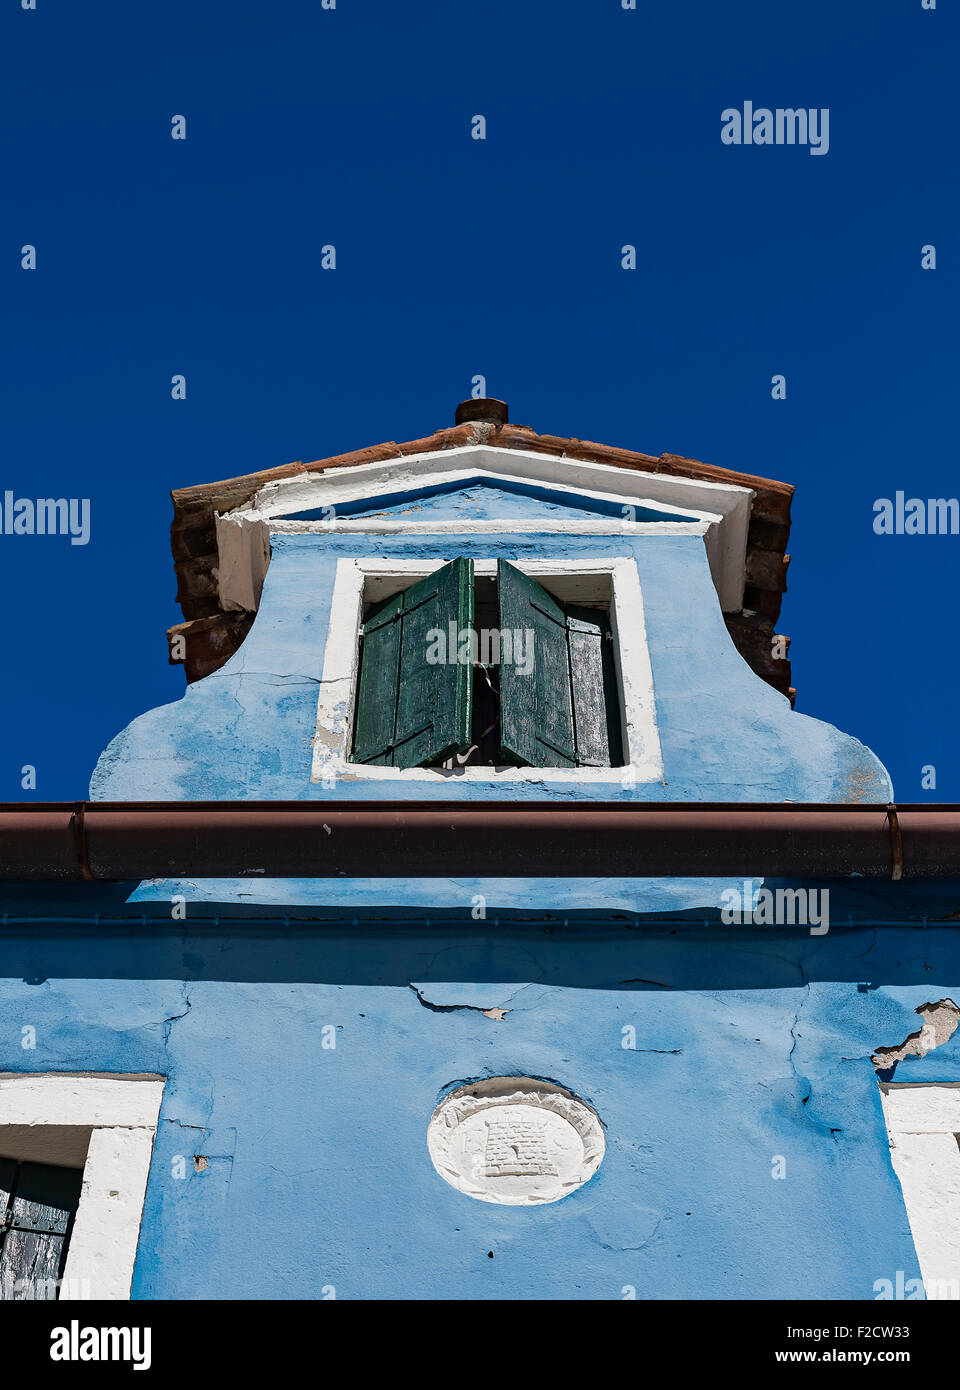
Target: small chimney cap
[{"x": 482, "y": 408}]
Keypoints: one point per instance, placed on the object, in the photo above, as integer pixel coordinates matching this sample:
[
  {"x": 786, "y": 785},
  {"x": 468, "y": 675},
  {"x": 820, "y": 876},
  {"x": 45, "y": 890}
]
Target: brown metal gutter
[{"x": 76, "y": 841}]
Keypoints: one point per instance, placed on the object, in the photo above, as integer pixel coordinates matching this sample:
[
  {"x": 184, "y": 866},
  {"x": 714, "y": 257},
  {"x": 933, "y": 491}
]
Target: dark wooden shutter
[
  {"x": 411, "y": 712},
  {"x": 378, "y": 684},
  {"x": 37, "y": 1206},
  {"x": 566, "y": 712},
  {"x": 536, "y": 711}
]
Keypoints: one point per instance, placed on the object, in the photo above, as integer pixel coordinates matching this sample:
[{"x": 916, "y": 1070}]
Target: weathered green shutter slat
[
  {"x": 37, "y": 1202},
  {"x": 412, "y": 711},
  {"x": 593, "y": 687},
  {"x": 378, "y": 685},
  {"x": 536, "y": 711},
  {"x": 435, "y": 701}
]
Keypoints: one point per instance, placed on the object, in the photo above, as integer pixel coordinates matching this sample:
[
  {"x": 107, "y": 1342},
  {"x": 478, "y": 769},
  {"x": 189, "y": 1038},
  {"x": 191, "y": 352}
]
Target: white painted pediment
[{"x": 475, "y": 490}]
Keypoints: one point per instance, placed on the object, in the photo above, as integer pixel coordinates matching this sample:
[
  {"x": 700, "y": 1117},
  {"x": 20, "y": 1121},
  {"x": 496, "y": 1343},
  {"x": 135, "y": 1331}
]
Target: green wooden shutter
[
  {"x": 410, "y": 711},
  {"x": 378, "y": 684},
  {"x": 566, "y": 711},
  {"x": 536, "y": 711},
  {"x": 37, "y": 1205}
]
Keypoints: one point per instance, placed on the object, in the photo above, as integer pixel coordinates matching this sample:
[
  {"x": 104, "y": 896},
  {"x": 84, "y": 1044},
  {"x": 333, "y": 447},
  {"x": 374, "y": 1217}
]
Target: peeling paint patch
[
  {"x": 494, "y": 1012},
  {"x": 940, "y": 1022}
]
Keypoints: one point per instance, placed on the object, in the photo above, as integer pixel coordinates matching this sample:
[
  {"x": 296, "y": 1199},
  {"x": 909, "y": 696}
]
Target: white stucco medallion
[{"x": 515, "y": 1140}]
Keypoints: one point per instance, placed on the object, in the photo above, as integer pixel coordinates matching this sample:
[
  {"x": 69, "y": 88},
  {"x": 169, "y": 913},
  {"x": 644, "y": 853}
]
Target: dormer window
[{"x": 462, "y": 670}]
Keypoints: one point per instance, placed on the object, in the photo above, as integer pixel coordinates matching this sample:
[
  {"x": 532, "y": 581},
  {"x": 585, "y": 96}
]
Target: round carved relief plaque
[{"x": 515, "y": 1140}]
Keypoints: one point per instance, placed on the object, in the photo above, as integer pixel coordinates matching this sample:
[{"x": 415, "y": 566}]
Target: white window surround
[
  {"x": 720, "y": 512},
  {"x": 585, "y": 581},
  {"x": 923, "y": 1125},
  {"x": 121, "y": 1113}
]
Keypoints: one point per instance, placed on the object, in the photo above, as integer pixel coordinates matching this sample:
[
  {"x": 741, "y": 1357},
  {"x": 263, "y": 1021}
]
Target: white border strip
[{"x": 923, "y": 1124}]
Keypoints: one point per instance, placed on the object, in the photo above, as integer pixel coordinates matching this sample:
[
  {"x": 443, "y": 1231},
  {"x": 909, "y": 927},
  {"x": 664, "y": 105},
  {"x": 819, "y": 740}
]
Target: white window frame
[
  {"x": 333, "y": 739},
  {"x": 121, "y": 1113},
  {"x": 923, "y": 1122}
]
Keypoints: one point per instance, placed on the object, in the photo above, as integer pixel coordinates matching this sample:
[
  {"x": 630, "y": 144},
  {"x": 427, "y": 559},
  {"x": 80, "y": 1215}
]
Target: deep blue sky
[{"x": 457, "y": 257}]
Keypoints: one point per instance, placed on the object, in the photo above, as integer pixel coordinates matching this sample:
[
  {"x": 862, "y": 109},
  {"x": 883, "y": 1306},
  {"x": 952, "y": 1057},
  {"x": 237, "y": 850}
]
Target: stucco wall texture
[
  {"x": 750, "y": 1051},
  {"x": 749, "y": 1045}
]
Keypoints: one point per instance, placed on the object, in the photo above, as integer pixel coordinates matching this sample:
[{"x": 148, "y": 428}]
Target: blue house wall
[
  {"x": 750, "y": 1045},
  {"x": 246, "y": 731}
]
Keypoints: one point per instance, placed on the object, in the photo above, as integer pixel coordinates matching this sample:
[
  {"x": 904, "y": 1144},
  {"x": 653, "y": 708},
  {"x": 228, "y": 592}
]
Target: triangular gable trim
[{"x": 718, "y": 511}]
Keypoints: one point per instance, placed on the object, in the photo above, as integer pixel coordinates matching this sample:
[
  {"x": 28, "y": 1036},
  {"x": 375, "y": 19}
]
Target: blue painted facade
[
  {"x": 751, "y": 1043},
  {"x": 247, "y": 730}
]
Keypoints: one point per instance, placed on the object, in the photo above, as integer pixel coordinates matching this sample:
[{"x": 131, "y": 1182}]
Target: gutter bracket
[
  {"x": 896, "y": 841},
  {"x": 78, "y": 826}
]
